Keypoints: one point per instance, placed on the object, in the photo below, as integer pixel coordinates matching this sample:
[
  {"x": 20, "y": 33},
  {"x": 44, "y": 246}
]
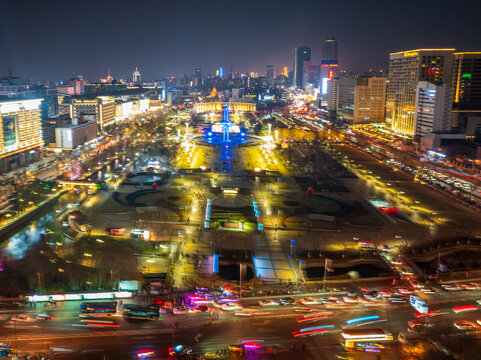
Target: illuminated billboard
[
  {"x": 144, "y": 104},
  {"x": 127, "y": 108},
  {"x": 9, "y": 131},
  {"x": 324, "y": 85}
]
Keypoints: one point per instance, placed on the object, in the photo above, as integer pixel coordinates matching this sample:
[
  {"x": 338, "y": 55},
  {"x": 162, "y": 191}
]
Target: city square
[{"x": 206, "y": 206}]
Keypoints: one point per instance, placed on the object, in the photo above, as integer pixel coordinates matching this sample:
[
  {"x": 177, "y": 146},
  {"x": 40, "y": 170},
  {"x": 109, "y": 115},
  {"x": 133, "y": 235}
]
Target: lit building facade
[
  {"x": 198, "y": 78},
  {"x": 333, "y": 97},
  {"x": 345, "y": 103},
  {"x": 432, "y": 108},
  {"x": 69, "y": 137},
  {"x": 466, "y": 84},
  {"x": 329, "y": 63},
  {"x": 370, "y": 99},
  {"x": 466, "y": 80},
  {"x": 302, "y": 54},
  {"x": 218, "y": 106},
  {"x": 136, "y": 78},
  {"x": 100, "y": 109},
  {"x": 406, "y": 69},
  {"x": 20, "y": 133}
]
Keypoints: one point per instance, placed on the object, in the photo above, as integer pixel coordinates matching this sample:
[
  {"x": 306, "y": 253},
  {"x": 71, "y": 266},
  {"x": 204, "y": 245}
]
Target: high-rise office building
[
  {"x": 433, "y": 108},
  {"x": 302, "y": 54},
  {"x": 406, "y": 69},
  {"x": 329, "y": 49},
  {"x": 286, "y": 71},
  {"x": 305, "y": 73},
  {"x": 270, "y": 71},
  {"x": 329, "y": 63},
  {"x": 333, "y": 97},
  {"x": 466, "y": 84},
  {"x": 136, "y": 78},
  {"x": 20, "y": 132},
  {"x": 370, "y": 99},
  {"x": 345, "y": 103},
  {"x": 198, "y": 77},
  {"x": 466, "y": 80}
]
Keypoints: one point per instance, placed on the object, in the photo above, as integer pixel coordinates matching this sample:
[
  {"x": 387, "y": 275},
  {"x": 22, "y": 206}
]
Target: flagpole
[
  {"x": 437, "y": 268},
  {"x": 325, "y": 270}
]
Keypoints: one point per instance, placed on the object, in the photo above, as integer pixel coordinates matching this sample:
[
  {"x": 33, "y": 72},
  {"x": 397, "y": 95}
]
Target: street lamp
[{"x": 270, "y": 126}]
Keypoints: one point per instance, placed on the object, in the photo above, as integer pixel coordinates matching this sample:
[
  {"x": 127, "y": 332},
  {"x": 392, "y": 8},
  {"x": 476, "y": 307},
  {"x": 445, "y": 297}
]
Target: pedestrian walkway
[{"x": 271, "y": 262}]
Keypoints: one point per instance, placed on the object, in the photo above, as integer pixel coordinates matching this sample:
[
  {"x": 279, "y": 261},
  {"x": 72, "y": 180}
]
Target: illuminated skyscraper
[
  {"x": 329, "y": 49},
  {"x": 136, "y": 78},
  {"x": 197, "y": 78},
  {"x": 466, "y": 85},
  {"x": 286, "y": 71},
  {"x": 466, "y": 81},
  {"x": 329, "y": 63},
  {"x": 406, "y": 69},
  {"x": 302, "y": 54}
]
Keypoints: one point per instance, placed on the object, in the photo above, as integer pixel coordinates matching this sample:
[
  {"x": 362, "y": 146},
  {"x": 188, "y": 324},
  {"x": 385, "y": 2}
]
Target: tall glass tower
[
  {"x": 302, "y": 54},
  {"x": 329, "y": 63}
]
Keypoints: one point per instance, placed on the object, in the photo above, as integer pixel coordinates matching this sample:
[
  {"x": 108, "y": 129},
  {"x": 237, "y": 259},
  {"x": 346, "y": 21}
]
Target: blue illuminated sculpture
[{"x": 226, "y": 124}]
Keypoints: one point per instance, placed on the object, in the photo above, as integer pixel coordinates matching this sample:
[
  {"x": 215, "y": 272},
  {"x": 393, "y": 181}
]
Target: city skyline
[{"x": 205, "y": 37}]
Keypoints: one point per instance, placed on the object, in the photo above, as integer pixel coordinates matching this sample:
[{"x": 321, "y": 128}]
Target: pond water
[
  {"x": 231, "y": 272},
  {"x": 358, "y": 271}
]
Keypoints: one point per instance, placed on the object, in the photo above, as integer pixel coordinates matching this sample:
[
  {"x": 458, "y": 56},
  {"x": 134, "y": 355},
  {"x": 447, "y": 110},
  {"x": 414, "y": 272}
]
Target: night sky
[{"x": 55, "y": 40}]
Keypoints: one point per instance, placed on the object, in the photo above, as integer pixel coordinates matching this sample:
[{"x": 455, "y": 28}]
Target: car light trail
[{"x": 365, "y": 318}]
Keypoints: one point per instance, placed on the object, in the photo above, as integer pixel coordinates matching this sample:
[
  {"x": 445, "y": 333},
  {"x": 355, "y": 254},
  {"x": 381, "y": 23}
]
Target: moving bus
[
  {"x": 4, "y": 349},
  {"x": 364, "y": 339},
  {"x": 98, "y": 309},
  {"x": 141, "y": 312}
]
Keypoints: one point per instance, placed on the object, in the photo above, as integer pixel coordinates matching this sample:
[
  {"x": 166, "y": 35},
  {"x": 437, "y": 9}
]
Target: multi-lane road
[{"x": 272, "y": 326}]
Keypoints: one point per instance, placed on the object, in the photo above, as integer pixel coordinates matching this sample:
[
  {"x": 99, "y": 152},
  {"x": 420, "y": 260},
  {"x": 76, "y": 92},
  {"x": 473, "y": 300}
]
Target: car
[
  {"x": 269, "y": 302},
  {"x": 399, "y": 299},
  {"x": 45, "y": 316},
  {"x": 4, "y": 317},
  {"x": 23, "y": 318},
  {"x": 199, "y": 308},
  {"x": 471, "y": 286},
  {"x": 231, "y": 307},
  {"x": 452, "y": 287},
  {"x": 405, "y": 291},
  {"x": 287, "y": 301},
  {"x": 180, "y": 310},
  {"x": 465, "y": 325},
  {"x": 415, "y": 325},
  {"x": 464, "y": 308},
  {"x": 385, "y": 293},
  {"x": 145, "y": 354},
  {"x": 431, "y": 313},
  {"x": 180, "y": 351},
  {"x": 351, "y": 299},
  {"x": 238, "y": 348},
  {"x": 428, "y": 290},
  {"x": 309, "y": 301}
]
